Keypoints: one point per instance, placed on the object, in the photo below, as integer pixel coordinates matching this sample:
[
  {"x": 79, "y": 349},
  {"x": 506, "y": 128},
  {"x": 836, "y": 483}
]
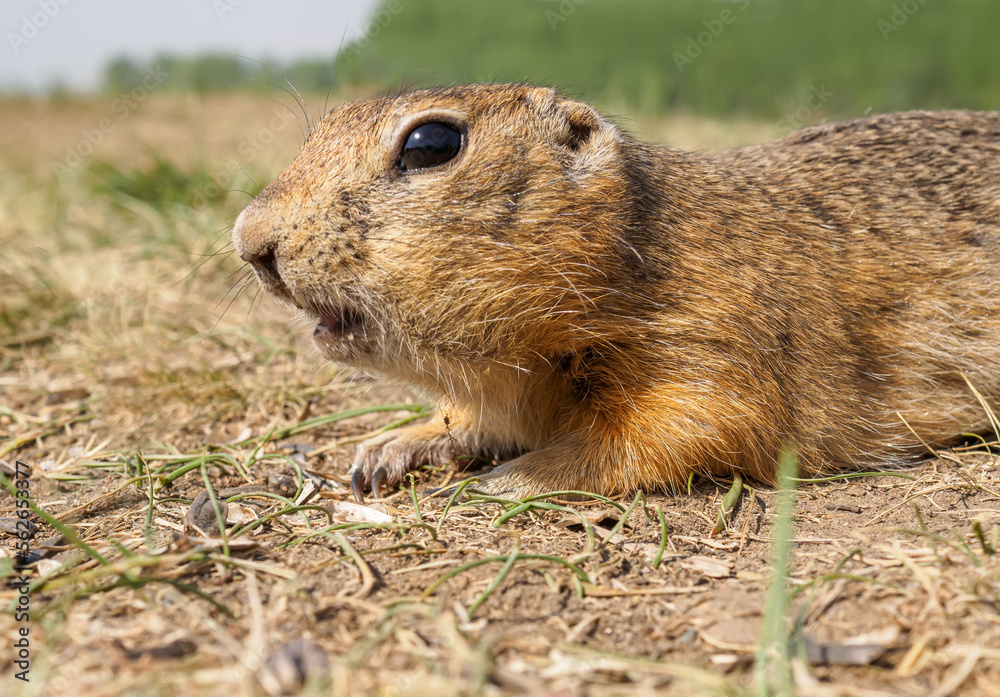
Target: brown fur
[{"x": 615, "y": 315}]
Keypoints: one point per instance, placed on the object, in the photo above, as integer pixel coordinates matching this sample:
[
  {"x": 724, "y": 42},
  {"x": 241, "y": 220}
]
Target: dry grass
[{"x": 134, "y": 373}]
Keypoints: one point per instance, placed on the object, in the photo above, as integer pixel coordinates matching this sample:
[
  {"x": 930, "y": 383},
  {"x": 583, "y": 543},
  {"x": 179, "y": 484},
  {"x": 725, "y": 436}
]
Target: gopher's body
[{"x": 614, "y": 315}]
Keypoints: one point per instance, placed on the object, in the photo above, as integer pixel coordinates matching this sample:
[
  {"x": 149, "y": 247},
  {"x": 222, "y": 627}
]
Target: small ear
[{"x": 580, "y": 122}]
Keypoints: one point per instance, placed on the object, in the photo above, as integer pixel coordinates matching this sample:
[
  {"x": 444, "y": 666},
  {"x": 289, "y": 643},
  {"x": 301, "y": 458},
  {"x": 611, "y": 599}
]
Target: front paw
[
  {"x": 558, "y": 468},
  {"x": 383, "y": 460},
  {"x": 504, "y": 484}
]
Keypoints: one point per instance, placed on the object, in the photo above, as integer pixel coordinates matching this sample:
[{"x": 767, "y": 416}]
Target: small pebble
[
  {"x": 296, "y": 663},
  {"x": 201, "y": 514}
]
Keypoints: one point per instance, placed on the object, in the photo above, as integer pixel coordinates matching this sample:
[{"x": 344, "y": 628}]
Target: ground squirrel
[{"x": 601, "y": 314}]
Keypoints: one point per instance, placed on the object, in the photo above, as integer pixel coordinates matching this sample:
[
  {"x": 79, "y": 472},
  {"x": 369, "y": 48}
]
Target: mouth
[{"x": 338, "y": 325}]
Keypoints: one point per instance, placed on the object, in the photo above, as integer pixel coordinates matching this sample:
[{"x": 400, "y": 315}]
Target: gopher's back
[
  {"x": 908, "y": 209},
  {"x": 903, "y": 174}
]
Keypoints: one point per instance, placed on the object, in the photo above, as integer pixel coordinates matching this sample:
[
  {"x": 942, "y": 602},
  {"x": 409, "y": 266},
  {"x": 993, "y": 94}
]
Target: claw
[
  {"x": 378, "y": 481},
  {"x": 356, "y": 486}
]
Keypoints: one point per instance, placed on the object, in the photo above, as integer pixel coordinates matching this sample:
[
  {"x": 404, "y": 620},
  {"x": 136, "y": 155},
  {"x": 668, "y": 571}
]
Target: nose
[{"x": 256, "y": 241}]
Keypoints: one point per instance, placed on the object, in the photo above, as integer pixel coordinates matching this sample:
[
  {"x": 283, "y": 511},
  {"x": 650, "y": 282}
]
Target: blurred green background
[{"x": 759, "y": 58}]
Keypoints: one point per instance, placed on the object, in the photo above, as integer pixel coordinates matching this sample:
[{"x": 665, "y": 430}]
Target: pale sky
[{"x": 70, "y": 41}]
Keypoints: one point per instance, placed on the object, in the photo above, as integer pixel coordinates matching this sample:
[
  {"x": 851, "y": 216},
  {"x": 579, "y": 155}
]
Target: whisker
[
  {"x": 307, "y": 130},
  {"x": 333, "y": 71}
]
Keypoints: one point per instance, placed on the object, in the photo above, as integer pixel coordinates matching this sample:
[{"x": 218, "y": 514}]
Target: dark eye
[{"x": 430, "y": 145}]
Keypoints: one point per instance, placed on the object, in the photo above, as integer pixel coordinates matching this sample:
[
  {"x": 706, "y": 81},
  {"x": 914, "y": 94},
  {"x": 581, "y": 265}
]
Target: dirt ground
[{"x": 135, "y": 369}]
